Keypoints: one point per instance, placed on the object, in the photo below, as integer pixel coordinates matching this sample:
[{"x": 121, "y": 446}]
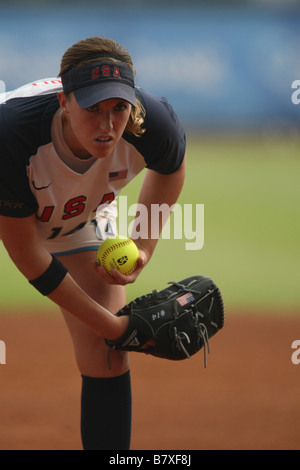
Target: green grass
[
  {"x": 15, "y": 291},
  {"x": 250, "y": 191}
]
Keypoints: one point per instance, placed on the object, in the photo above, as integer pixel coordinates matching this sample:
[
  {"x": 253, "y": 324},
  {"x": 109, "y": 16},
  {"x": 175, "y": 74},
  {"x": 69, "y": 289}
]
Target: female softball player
[{"x": 68, "y": 146}]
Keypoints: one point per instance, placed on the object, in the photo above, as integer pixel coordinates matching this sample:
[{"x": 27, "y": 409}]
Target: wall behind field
[{"x": 222, "y": 66}]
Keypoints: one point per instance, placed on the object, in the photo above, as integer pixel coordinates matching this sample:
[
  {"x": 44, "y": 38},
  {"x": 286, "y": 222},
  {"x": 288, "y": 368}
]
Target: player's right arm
[{"x": 21, "y": 240}]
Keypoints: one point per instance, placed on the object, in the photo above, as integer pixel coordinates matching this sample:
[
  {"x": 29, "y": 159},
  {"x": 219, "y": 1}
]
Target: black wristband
[{"x": 51, "y": 278}]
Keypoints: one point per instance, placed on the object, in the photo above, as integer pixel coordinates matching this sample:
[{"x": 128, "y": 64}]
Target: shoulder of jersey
[
  {"x": 159, "y": 113},
  {"x": 26, "y": 114},
  {"x": 45, "y": 86}
]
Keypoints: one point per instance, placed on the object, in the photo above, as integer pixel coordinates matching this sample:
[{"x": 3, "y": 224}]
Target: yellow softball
[{"x": 119, "y": 253}]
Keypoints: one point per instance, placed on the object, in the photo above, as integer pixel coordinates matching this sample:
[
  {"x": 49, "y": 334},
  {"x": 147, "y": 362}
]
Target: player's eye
[
  {"x": 122, "y": 106},
  {"x": 92, "y": 109}
]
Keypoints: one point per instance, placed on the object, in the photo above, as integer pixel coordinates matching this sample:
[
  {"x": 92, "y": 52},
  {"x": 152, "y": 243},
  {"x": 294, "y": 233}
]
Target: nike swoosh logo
[{"x": 42, "y": 187}]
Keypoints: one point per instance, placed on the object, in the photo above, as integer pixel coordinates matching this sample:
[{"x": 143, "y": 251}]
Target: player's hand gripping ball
[{"x": 119, "y": 253}]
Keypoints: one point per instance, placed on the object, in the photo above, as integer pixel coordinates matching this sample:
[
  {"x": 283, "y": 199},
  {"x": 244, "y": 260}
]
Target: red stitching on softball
[{"x": 112, "y": 248}]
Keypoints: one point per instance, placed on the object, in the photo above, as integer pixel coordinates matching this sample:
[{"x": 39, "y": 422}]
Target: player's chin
[
  {"x": 102, "y": 150},
  {"x": 101, "y": 154}
]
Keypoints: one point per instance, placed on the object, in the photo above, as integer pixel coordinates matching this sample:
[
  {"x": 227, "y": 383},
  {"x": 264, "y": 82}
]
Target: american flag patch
[
  {"x": 185, "y": 299},
  {"x": 118, "y": 175}
]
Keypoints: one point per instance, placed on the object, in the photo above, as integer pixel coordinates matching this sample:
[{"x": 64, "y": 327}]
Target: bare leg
[{"x": 106, "y": 392}]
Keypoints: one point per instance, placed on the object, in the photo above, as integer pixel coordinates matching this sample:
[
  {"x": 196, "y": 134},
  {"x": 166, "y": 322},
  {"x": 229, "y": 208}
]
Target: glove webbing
[
  {"x": 202, "y": 330},
  {"x": 202, "y": 333}
]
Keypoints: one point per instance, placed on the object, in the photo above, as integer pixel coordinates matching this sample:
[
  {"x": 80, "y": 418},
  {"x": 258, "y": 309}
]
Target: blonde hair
[{"x": 86, "y": 51}]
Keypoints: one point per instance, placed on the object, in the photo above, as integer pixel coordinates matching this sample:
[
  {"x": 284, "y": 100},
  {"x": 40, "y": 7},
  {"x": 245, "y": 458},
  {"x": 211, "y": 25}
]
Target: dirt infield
[{"x": 247, "y": 398}]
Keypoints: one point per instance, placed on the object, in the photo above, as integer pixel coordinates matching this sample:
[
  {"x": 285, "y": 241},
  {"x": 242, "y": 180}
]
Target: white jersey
[{"x": 40, "y": 175}]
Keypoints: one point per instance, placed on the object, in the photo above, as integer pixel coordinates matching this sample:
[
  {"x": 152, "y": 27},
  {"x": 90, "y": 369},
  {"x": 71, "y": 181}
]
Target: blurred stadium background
[{"x": 228, "y": 71}]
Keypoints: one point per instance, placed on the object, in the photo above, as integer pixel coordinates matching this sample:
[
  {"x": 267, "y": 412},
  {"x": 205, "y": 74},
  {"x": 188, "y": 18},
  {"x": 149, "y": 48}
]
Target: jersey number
[{"x": 72, "y": 208}]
